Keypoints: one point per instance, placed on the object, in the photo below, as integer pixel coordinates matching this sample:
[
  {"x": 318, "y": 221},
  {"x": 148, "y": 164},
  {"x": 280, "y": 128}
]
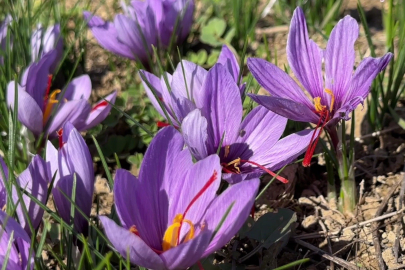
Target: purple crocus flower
[
  {"x": 144, "y": 23},
  {"x": 43, "y": 42},
  {"x": 333, "y": 96},
  {"x": 169, "y": 214},
  {"x": 248, "y": 148},
  {"x": 72, "y": 158},
  {"x": 186, "y": 89},
  {"x": 36, "y": 102},
  {"x": 33, "y": 180},
  {"x": 19, "y": 249},
  {"x": 3, "y": 35}
]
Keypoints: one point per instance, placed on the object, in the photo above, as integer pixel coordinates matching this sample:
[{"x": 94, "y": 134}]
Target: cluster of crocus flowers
[
  {"x": 15, "y": 245},
  {"x": 37, "y": 102},
  {"x": 143, "y": 24},
  {"x": 72, "y": 163},
  {"x": 171, "y": 213},
  {"x": 333, "y": 96},
  {"x": 175, "y": 96}
]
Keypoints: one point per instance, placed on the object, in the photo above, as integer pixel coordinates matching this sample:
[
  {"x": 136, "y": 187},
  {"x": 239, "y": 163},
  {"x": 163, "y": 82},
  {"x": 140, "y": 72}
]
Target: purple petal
[
  {"x": 363, "y": 77},
  {"x": 126, "y": 242},
  {"x": 190, "y": 83},
  {"x": 3, "y": 191},
  {"x": 34, "y": 180},
  {"x": 260, "y": 130},
  {"x": 125, "y": 185},
  {"x": 194, "y": 129},
  {"x": 29, "y": 113},
  {"x": 228, "y": 59},
  {"x": 74, "y": 111},
  {"x": 223, "y": 107},
  {"x": 107, "y": 35},
  {"x": 52, "y": 158},
  {"x": 287, "y": 108},
  {"x": 285, "y": 150},
  {"x": 339, "y": 57},
  {"x": 304, "y": 56},
  {"x": 243, "y": 202},
  {"x": 154, "y": 174},
  {"x": 181, "y": 107},
  {"x": 187, "y": 254},
  {"x": 79, "y": 88},
  {"x": 277, "y": 82},
  {"x": 99, "y": 111}
]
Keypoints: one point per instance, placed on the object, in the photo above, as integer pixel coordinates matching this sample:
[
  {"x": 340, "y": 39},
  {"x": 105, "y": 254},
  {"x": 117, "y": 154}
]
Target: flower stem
[{"x": 346, "y": 173}]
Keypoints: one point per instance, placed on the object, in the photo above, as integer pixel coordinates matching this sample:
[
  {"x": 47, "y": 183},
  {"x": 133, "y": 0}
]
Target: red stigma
[
  {"x": 48, "y": 89},
  {"x": 200, "y": 266},
  {"x": 161, "y": 124},
  {"x": 323, "y": 120},
  {"x": 253, "y": 211},
  {"x": 196, "y": 197},
  {"x": 60, "y": 135},
  {"x": 103, "y": 103}
]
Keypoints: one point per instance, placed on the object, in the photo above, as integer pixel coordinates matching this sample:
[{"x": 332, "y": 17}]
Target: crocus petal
[
  {"x": 304, "y": 56},
  {"x": 29, "y": 113},
  {"x": 70, "y": 111},
  {"x": 34, "y": 180},
  {"x": 364, "y": 76},
  {"x": 277, "y": 82},
  {"x": 287, "y": 108},
  {"x": 223, "y": 107},
  {"x": 208, "y": 169},
  {"x": 107, "y": 35},
  {"x": 124, "y": 189},
  {"x": 181, "y": 107},
  {"x": 188, "y": 84},
  {"x": 154, "y": 173},
  {"x": 99, "y": 111},
  {"x": 65, "y": 187},
  {"x": 123, "y": 241},
  {"x": 187, "y": 254},
  {"x": 79, "y": 88},
  {"x": 3, "y": 192},
  {"x": 339, "y": 57},
  {"x": 260, "y": 130},
  {"x": 53, "y": 159},
  {"x": 242, "y": 205},
  {"x": 285, "y": 150},
  {"x": 194, "y": 129},
  {"x": 228, "y": 59},
  {"x": 13, "y": 256}
]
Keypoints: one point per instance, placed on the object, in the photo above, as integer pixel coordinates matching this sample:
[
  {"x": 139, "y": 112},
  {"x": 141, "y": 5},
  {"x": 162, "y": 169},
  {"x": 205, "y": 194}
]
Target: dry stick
[
  {"x": 374, "y": 227},
  {"x": 361, "y": 224},
  {"x": 399, "y": 221},
  {"x": 327, "y": 256}
]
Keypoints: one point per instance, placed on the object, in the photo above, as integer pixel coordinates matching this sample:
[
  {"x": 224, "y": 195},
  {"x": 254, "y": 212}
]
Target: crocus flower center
[
  {"x": 171, "y": 237},
  {"x": 324, "y": 117},
  {"x": 49, "y": 101},
  {"x": 234, "y": 167}
]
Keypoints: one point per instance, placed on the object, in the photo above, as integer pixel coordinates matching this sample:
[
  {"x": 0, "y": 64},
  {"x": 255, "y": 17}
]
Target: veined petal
[
  {"x": 229, "y": 61},
  {"x": 242, "y": 205},
  {"x": 187, "y": 254},
  {"x": 189, "y": 84},
  {"x": 125, "y": 241},
  {"x": 3, "y": 191},
  {"x": 29, "y": 113},
  {"x": 287, "y": 108},
  {"x": 339, "y": 58},
  {"x": 277, "y": 82},
  {"x": 99, "y": 111},
  {"x": 79, "y": 88},
  {"x": 222, "y": 109},
  {"x": 304, "y": 56},
  {"x": 106, "y": 34},
  {"x": 194, "y": 129}
]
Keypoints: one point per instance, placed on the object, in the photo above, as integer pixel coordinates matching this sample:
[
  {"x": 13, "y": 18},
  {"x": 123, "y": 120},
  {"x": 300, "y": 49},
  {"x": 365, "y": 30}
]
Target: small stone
[
  {"x": 263, "y": 207},
  {"x": 309, "y": 222}
]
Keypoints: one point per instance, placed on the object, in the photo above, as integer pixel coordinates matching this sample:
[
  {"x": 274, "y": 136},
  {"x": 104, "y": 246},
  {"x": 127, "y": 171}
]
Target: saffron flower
[
  {"x": 186, "y": 88},
  {"x": 334, "y": 96},
  {"x": 169, "y": 214},
  {"x": 43, "y": 42},
  {"x": 19, "y": 250},
  {"x": 247, "y": 148},
  {"x": 71, "y": 160},
  {"x": 36, "y": 101},
  {"x": 3, "y": 35},
  {"x": 33, "y": 180},
  {"x": 143, "y": 24}
]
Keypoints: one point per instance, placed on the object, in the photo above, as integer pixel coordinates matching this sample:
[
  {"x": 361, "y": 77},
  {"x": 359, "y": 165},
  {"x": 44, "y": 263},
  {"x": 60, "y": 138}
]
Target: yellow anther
[
  {"x": 235, "y": 163},
  {"x": 318, "y": 106},
  {"x": 332, "y": 101},
  {"x": 170, "y": 239},
  {"x": 49, "y": 105},
  {"x": 133, "y": 230}
]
